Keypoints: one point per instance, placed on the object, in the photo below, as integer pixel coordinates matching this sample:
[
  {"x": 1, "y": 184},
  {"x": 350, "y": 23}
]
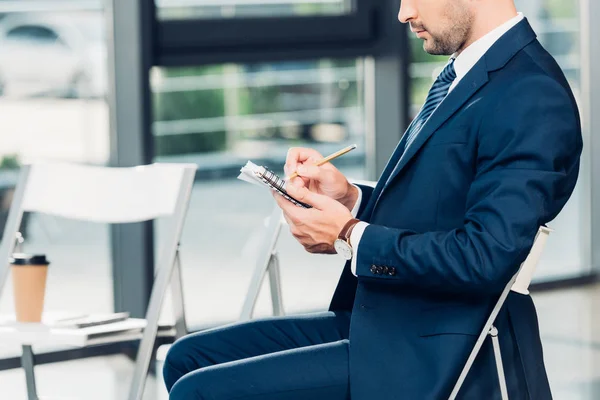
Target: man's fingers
[
  {"x": 304, "y": 195},
  {"x": 289, "y": 209},
  {"x": 288, "y": 220},
  {"x": 282, "y": 202},
  {"x": 297, "y": 156},
  {"x": 313, "y": 172},
  {"x": 299, "y": 182}
]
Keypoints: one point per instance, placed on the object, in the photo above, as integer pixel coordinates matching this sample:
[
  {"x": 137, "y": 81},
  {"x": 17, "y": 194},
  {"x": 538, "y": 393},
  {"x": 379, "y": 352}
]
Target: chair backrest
[
  {"x": 525, "y": 274},
  {"x": 101, "y": 194},
  {"x": 519, "y": 283}
]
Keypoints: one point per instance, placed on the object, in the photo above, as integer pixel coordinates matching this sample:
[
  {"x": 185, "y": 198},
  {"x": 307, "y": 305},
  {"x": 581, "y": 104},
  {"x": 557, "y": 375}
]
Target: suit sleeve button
[
  {"x": 385, "y": 270},
  {"x": 391, "y": 271},
  {"x": 373, "y": 269}
]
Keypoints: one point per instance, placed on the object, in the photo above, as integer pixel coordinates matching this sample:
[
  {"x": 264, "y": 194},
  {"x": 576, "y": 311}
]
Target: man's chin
[{"x": 430, "y": 48}]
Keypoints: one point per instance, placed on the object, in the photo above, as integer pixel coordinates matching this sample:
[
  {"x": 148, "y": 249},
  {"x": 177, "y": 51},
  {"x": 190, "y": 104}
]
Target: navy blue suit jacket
[{"x": 497, "y": 159}]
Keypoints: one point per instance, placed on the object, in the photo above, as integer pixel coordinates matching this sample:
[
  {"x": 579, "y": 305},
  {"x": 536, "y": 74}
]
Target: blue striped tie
[{"x": 437, "y": 93}]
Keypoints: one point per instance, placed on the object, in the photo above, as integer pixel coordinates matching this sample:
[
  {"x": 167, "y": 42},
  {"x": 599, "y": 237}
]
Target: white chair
[
  {"x": 520, "y": 284},
  {"x": 110, "y": 195}
]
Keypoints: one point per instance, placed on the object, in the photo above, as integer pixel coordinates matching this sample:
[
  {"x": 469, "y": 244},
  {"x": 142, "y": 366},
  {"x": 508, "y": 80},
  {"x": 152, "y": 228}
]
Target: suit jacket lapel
[{"x": 471, "y": 83}]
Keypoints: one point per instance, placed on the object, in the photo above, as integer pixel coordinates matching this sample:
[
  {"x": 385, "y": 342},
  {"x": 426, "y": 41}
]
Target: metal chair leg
[
  {"x": 146, "y": 347},
  {"x": 177, "y": 296},
  {"x": 275, "y": 283},
  {"x": 499, "y": 366},
  {"x": 27, "y": 362},
  {"x": 262, "y": 264}
]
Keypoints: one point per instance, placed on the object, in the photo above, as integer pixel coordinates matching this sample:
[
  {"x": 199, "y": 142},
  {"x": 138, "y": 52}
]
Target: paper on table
[
  {"x": 48, "y": 317},
  {"x": 43, "y": 335}
]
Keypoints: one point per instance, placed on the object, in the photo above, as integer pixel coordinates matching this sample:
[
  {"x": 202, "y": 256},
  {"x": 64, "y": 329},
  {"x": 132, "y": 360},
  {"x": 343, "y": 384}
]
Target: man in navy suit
[{"x": 492, "y": 155}]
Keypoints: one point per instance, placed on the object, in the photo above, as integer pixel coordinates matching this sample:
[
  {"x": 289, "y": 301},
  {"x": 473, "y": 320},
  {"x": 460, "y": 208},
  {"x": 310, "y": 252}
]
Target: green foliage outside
[
  {"x": 10, "y": 161},
  {"x": 194, "y": 104},
  {"x": 561, "y": 8},
  {"x": 268, "y": 97}
]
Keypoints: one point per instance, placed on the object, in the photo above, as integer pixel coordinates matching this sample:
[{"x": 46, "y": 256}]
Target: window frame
[{"x": 366, "y": 31}]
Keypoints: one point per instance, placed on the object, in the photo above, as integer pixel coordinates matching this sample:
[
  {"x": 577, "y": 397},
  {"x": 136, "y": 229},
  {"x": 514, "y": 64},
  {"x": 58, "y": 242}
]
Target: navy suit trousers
[{"x": 292, "y": 358}]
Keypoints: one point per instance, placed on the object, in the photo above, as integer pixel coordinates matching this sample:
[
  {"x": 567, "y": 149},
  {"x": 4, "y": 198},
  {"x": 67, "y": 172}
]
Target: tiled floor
[
  {"x": 570, "y": 331},
  {"x": 571, "y": 335}
]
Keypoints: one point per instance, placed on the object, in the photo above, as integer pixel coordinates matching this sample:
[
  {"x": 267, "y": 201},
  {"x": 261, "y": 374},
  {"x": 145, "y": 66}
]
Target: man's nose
[{"x": 408, "y": 11}]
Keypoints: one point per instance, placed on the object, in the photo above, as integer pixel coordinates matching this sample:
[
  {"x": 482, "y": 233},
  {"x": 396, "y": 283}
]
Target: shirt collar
[{"x": 469, "y": 56}]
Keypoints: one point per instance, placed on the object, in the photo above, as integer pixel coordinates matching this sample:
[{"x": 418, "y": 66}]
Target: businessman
[{"x": 492, "y": 155}]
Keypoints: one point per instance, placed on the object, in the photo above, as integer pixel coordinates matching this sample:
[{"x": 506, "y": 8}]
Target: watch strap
[{"x": 347, "y": 230}]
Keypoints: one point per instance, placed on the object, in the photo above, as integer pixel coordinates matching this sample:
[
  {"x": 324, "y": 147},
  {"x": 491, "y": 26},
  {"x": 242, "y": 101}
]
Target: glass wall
[
  {"x": 218, "y": 117},
  {"x": 557, "y": 24},
  {"x": 52, "y": 107}
]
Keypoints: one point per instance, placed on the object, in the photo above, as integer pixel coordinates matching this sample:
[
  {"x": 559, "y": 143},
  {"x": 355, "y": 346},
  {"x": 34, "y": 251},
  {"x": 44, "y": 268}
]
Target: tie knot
[{"x": 448, "y": 74}]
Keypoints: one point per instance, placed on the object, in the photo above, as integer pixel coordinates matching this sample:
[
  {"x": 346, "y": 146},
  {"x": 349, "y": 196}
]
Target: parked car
[{"x": 53, "y": 54}]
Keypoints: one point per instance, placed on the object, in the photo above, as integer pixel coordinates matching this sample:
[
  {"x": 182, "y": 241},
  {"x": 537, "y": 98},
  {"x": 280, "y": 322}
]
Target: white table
[{"x": 28, "y": 334}]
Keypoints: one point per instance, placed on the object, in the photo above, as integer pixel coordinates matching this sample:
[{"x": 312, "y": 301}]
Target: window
[
  {"x": 194, "y": 9},
  {"x": 557, "y": 24},
  {"x": 219, "y": 117},
  {"x": 52, "y": 107}
]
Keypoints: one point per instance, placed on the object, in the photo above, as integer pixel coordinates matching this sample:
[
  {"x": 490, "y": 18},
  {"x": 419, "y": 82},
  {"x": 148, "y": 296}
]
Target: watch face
[{"x": 343, "y": 249}]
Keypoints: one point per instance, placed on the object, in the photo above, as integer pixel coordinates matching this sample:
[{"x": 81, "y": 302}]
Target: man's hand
[
  {"x": 315, "y": 228},
  {"x": 326, "y": 179}
]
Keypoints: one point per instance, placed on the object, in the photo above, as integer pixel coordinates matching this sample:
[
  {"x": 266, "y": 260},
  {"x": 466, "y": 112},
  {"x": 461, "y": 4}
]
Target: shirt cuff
[
  {"x": 356, "y": 207},
  {"x": 355, "y": 237}
]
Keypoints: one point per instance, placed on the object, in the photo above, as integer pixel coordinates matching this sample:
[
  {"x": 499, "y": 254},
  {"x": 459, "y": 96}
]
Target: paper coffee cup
[{"x": 29, "y": 274}]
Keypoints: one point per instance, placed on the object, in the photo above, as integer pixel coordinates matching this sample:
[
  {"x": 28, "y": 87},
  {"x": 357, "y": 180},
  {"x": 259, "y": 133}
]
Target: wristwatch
[{"x": 342, "y": 243}]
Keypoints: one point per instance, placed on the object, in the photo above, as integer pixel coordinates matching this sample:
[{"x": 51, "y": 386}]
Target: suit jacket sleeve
[{"x": 527, "y": 162}]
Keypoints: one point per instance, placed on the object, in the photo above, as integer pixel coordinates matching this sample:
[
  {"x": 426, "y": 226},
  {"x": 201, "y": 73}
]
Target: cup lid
[{"x": 29, "y": 259}]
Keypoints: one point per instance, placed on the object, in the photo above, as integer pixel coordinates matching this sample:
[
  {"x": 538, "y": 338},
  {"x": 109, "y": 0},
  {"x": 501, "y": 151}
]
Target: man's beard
[{"x": 453, "y": 37}]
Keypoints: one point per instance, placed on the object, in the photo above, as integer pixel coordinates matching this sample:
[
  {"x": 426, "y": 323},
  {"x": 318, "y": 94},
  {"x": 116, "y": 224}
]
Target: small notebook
[
  {"x": 91, "y": 320},
  {"x": 262, "y": 176}
]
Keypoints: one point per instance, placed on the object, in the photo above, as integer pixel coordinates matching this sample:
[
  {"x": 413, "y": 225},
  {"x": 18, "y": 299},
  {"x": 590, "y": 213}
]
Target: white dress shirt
[{"x": 462, "y": 65}]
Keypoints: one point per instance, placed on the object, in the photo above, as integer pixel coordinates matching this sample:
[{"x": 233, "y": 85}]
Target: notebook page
[
  {"x": 255, "y": 174},
  {"x": 250, "y": 173}
]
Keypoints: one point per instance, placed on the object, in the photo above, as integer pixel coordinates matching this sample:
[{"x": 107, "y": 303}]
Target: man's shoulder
[{"x": 533, "y": 65}]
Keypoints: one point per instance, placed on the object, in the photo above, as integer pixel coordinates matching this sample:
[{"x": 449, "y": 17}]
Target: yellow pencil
[{"x": 328, "y": 158}]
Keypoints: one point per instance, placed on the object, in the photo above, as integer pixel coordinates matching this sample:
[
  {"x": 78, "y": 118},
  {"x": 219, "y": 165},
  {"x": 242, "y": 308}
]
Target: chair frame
[
  {"x": 267, "y": 262},
  {"x": 490, "y": 330},
  {"x": 168, "y": 274}
]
